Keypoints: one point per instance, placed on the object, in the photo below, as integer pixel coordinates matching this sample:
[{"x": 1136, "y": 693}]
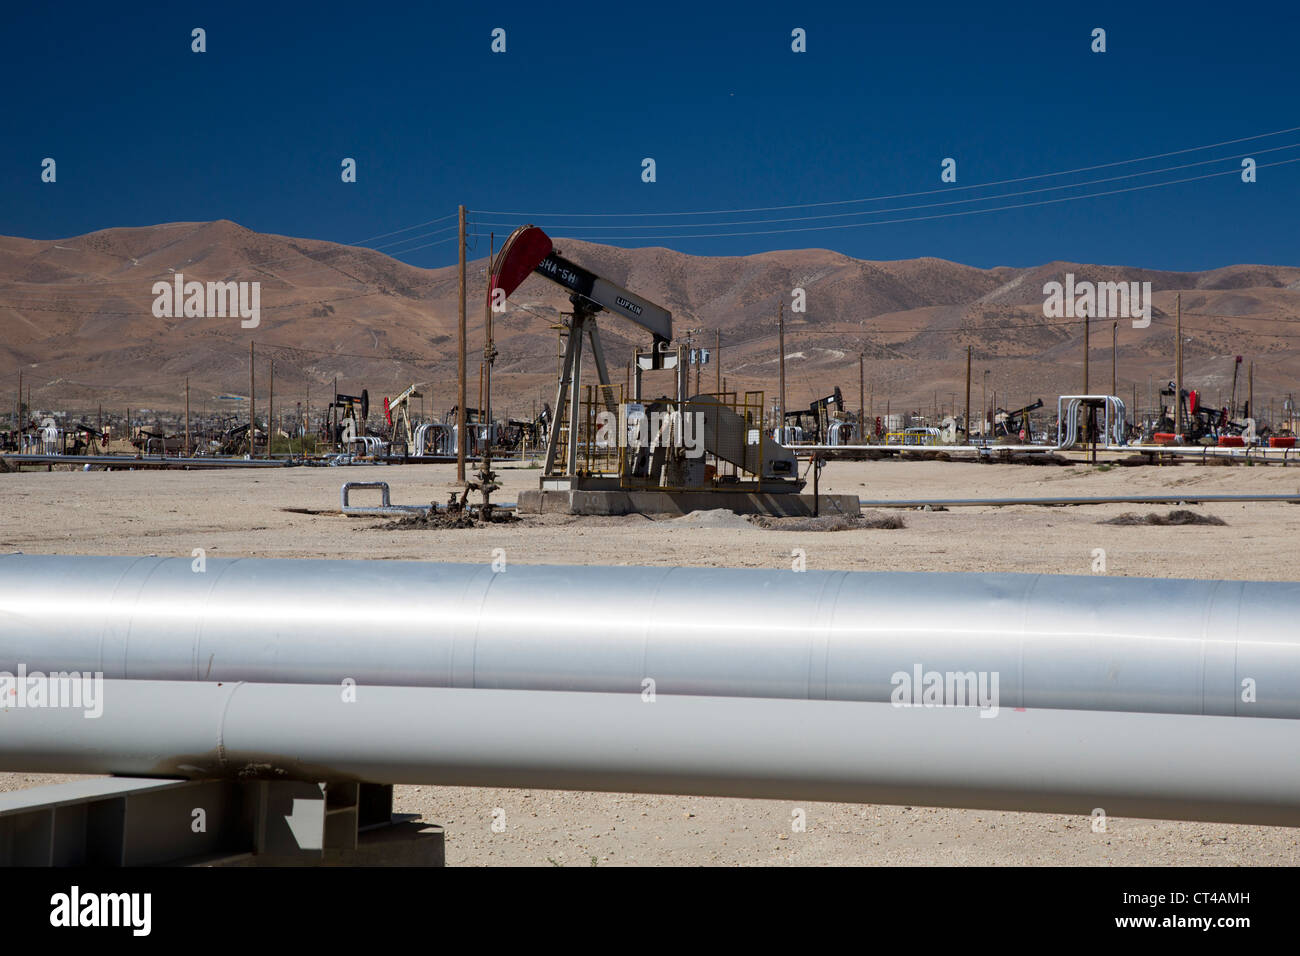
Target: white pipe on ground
[
  {"x": 1130, "y": 765},
  {"x": 1077, "y": 643}
]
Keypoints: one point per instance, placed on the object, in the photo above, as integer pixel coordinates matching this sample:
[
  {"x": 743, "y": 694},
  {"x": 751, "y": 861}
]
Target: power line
[
  {"x": 327, "y": 352},
  {"x": 383, "y": 235},
  {"x": 267, "y": 308},
  {"x": 927, "y": 192},
  {"x": 949, "y": 215},
  {"x": 873, "y": 212},
  {"x": 317, "y": 264}
]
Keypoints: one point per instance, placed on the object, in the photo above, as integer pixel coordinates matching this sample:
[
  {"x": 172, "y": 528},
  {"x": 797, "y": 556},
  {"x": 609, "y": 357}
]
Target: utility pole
[
  {"x": 1178, "y": 369},
  {"x": 862, "y": 405},
  {"x": 251, "y": 427},
  {"x": 460, "y": 363},
  {"x": 1251, "y": 390},
  {"x": 1114, "y": 361},
  {"x": 717, "y": 359},
  {"x": 1086, "y": 326},
  {"x": 187, "y": 415},
  {"x": 780, "y": 331},
  {"x": 984, "y": 406},
  {"x": 18, "y": 410},
  {"x": 489, "y": 356},
  {"x": 968, "y": 355},
  {"x": 270, "y": 410},
  {"x": 699, "y": 368}
]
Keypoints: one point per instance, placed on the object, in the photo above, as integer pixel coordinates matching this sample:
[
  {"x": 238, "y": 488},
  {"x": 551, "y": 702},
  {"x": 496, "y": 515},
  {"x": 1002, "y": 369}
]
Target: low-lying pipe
[
  {"x": 1091, "y": 643},
  {"x": 1174, "y": 498},
  {"x": 1130, "y": 765}
]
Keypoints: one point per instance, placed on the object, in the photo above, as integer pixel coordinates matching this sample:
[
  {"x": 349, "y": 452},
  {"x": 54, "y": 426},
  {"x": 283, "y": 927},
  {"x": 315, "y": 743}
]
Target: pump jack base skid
[{"x": 652, "y": 502}]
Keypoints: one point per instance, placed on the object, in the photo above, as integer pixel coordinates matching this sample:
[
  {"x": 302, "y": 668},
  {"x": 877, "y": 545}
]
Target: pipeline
[
  {"x": 1174, "y": 498},
  {"x": 1133, "y": 765},
  {"x": 1073, "y": 643},
  {"x": 197, "y": 462}
]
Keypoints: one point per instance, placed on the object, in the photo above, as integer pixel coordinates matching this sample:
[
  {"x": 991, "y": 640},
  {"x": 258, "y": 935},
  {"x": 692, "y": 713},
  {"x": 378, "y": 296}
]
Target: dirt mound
[
  {"x": 435, "y": 520},
  {"x": 1001, "y": 456},
  {"x": 872, "y": 519},
  {"x": 712, "y": 518},
  {"x": 1178, "y": 516}
]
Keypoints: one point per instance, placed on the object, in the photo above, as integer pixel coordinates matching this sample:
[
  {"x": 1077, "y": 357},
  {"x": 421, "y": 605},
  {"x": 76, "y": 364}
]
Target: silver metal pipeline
[
  {"x": 1076, "y": 643},
  {"x": 1133, "y": 765}
]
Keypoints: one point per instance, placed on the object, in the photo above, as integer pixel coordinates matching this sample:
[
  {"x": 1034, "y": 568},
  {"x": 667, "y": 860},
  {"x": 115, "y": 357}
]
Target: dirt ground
[{"x": 252, "y": 513}]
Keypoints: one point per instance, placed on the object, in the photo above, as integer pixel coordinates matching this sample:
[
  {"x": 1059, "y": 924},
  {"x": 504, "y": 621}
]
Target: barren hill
[{"x": 76, "y": 317}]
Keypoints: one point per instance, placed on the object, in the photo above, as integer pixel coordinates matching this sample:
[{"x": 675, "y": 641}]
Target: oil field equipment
[
  {"x": 605, "y": 443},
  {"x": 397, "y": 416},
  {"x": 815, "y": 423},
  {"x": 1077, "y": 421},
  {"x": 348, "y": 414},
  {"x": 1009, "y": 424}
]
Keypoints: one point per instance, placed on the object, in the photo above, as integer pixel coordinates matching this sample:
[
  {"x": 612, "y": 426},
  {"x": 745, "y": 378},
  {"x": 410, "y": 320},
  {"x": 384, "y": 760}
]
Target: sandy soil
[{"x": 250, "y": 514}]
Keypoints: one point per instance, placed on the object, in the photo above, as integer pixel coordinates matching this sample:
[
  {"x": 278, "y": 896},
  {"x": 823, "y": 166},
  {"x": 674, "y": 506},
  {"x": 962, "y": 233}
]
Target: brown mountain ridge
[{"x": 76, "y": 317}]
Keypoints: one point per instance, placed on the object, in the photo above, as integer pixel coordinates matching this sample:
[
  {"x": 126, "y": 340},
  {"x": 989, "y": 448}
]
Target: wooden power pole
[
  {"x": 862, "y": 404},
  {"x": 187, "y": 415},
  {"x": 270, "y": 410},
  {"x": 1087, "y": 324},
  {"x": 968, "y": 354},
  {"x": 1114, "y": 361},
  {"x": 1178, "y": 369},
  {"x": 460, "y": 362},
  {"x": 780, "y": 331},
  {"x": 251, "y": 427}
]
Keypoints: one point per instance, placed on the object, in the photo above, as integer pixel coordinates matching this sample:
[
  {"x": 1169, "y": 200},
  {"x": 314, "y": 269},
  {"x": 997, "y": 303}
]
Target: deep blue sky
[{"x": 144, "y": 131}]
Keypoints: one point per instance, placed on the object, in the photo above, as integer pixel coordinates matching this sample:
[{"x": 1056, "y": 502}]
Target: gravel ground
[{"x": 252, "y": 514}]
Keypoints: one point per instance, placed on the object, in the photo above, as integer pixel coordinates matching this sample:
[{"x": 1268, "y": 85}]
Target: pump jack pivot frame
[{"x": 569, "y": 391}]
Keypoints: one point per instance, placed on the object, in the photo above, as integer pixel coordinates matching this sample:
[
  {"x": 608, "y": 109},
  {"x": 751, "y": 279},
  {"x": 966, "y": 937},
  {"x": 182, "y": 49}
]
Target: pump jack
[
  {"x": 726, "y": 433},
  {"x": 529, "y": 250},
  {"x": 591, "y": 295},
  {"x": 349, "y": 414},
  {"x": 1010, "y": 423},
  {"x": 397, "y": 415},
  {"x": 819, "y": 414}
]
